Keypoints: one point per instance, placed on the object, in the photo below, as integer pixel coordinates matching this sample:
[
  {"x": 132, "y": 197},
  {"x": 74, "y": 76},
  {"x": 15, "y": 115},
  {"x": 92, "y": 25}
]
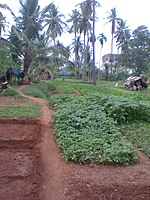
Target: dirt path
[
  {"x": 60, "y": 180},
  {"x": 52, "y": 162}
]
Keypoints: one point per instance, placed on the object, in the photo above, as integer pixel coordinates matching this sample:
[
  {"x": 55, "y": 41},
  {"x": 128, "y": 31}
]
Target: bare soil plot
[{"x": 19, "y": 159}]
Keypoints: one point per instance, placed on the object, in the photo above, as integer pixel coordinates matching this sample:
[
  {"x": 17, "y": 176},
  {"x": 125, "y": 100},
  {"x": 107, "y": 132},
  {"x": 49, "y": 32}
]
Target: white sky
[{"x": 136, "y": 12}]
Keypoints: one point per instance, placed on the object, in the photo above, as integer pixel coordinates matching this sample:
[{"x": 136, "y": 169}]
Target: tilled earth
[
  {"x": 19, "y": 159},
  {"x": 32, "y": 167}
]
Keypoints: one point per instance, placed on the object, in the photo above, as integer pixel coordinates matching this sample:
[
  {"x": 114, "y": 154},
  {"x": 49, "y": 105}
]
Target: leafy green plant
[
  {"x": 86, "y": 133},
  {"x": 126, "y": 110}
]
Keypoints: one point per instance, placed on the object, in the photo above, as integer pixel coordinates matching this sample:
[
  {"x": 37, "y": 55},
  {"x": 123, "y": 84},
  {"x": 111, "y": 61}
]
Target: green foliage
[
  {"x": 30, "y": 111},
  {"x": 5, "y": 60},
  {"x": 125, "y": 110},
  {"x": 9, "y": 92},
  {"x": 106, "y": 88},
  {"x": 138, "y": 133},
  {"x": 136, "y": 50},
  {"x": 40, "y": 90},
  {"x": 62, "y": 87},
  {"x": 86, "y": 132},
  {"x": 87, "y": 126}
]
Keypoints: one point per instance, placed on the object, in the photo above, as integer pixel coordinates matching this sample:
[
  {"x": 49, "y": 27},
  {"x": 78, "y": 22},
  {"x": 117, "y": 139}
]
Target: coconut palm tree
[
  {"x": 112, "y": 18},
  {"x": 6, "y": 7},
  {"x": 84, "y": 24},
  {"x": 74, "y": 19},
  {"x": 102, "y": 38},
  {"x": 87, "y": 7},
  {"x": 93, "y": 4},
  {"x": 26, "y": 33},
  {"x": 85, "y": 27},
  {"x": 25, "y": 37},
  {"x": 93, "y": 44},
  {"x": 122, "y": 34},
  {"x": 54, "y": 23},
  {"x": 2, "y": 23},
  {"x": 77, "y": 47}
]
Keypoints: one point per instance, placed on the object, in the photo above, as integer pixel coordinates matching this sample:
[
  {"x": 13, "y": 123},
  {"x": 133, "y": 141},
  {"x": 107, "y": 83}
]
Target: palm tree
[
  {"x": 93, "y": 44},
  {"x": 93, "y": 4},
  {"x": 84, "y": 27},
  {"x": 112, "y": 18},
  {"x": 122, "y": 34},
  {"x": 88, "y": 13},
  {"x": 102, "y": 38},
  {"x": 27, "y": 30},
  {"x": 54, "y": 23},
  {"x": 26, "y": 34},
  {"x": 5, "y": 6},
  {"x": 74, "y": 19},
  {"x": 2, "y": 23},
  {"x": 27, "y": 39},
  {"x": 77, "y": 46}
]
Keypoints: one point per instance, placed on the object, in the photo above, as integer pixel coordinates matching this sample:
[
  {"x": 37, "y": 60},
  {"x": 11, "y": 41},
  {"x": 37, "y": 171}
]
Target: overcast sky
[{"x": 136, "y": 12}]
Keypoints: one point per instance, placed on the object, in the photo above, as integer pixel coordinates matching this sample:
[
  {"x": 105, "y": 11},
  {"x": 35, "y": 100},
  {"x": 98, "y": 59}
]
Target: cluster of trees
[
  {"x": 34, "y": 40},
  {"x": 133, "y": 49}
]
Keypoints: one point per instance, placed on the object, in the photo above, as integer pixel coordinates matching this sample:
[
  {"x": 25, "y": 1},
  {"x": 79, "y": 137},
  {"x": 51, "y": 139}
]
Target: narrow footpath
[{"x": 52, "y": 162}]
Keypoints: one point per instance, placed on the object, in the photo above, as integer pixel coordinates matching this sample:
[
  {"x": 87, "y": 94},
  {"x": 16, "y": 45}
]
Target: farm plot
[
  {"x": 61, "y": 180},
  {"x": 87, "y": 127},
  {"x": 19, "y": 159}
]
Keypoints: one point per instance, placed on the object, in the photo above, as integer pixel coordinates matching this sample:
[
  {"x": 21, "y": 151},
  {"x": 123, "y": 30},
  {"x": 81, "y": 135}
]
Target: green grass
[
  {"x": 39, "y": 90},
  {"x": 42, "y": 90},
  {"x": 10, "y": 92},
  {"x": 30, "y": 111},
  {"x": 62, "y": 87},
  {"x": 106, "y": 88},
  {"x": 138, "y": 134}
]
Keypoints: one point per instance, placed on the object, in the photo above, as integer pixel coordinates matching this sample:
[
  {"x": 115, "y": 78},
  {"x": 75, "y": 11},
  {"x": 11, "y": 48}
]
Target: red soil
[{"x": 32, "y": 166}]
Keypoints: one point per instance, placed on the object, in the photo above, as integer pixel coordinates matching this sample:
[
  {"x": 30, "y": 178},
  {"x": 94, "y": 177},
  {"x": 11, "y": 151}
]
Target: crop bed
[{"x": 19, "y": 159}]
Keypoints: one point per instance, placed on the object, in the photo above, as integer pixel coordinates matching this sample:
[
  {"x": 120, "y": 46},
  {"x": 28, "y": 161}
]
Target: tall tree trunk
[
  {"x": 111, "y": 63},
  {"x": 75, "y": 47},
  {"x": 39, "y": 71},
  {"x": 76, "y": 58},
  {"x": 26, "y": 80},
  {"x": 27, "y": 62},
  {"x": 100, "y": 58},
  {"x": 85, "y": 73},
  {"x": 93, "y": 44},
  {"x": 117, "y": 66},
  {"x": 87, "y": 54}
]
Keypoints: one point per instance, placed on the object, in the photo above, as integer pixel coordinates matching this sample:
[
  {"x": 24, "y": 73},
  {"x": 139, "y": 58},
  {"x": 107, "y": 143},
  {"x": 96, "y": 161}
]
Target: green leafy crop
[{"x": 86, "y": 128}]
